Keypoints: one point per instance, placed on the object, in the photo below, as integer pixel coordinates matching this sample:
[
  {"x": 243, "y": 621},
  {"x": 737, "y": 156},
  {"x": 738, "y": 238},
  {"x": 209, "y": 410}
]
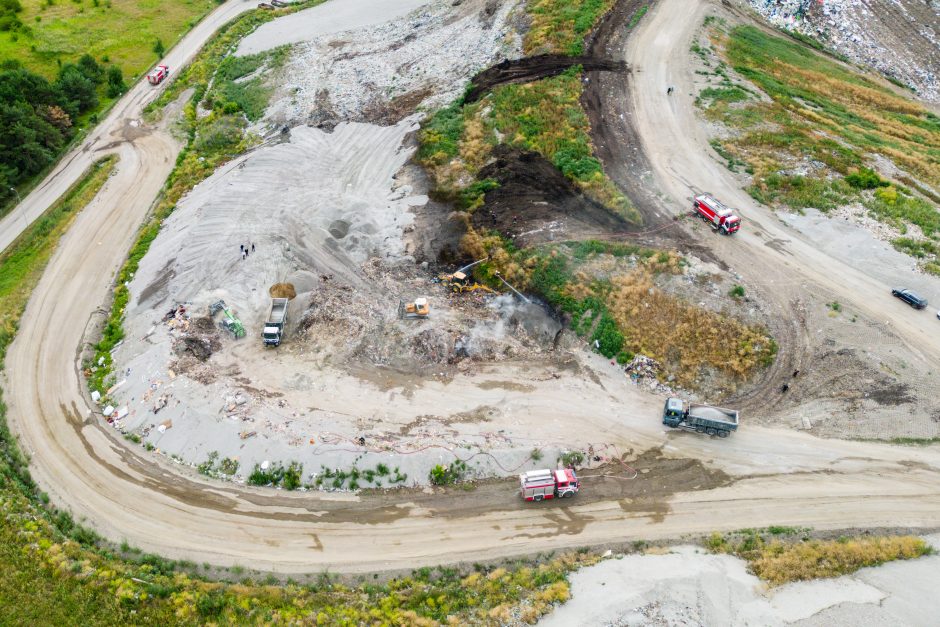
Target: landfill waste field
[{"x": 645, "y": 290}]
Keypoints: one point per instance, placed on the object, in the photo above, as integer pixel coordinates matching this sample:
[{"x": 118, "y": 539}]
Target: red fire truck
[
  {"x": 721, "y": 218},
  {"x": 158, "y": 74},
  {"x": 549, "y": 484}
]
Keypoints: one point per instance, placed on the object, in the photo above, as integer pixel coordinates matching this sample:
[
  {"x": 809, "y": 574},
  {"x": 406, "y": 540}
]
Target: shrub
[
  {"x": 736, "y": 292},
  {"x": 865, "y": 178},
  {"x": 572, "y": 459}
]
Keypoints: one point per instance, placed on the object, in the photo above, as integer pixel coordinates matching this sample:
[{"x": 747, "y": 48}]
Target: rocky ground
[{"x": 899, "y": 38}]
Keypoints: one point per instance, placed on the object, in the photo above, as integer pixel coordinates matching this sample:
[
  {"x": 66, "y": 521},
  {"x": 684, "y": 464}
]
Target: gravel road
[{"x": 776, "y": 476}]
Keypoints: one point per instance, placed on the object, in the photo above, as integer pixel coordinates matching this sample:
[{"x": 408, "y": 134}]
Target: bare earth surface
[
  {"x": 688, "y": 586},
  {"x": 683, "y": 483}
]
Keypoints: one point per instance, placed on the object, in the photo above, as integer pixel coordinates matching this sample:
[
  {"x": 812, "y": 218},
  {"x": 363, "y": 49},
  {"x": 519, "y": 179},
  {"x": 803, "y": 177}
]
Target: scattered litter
[
  {"x": 95, "y": 395},
  {"x": 122, "y": 412},
  {"x": 247, "y": 434},
  {"x": 108, "y": 410},
  {"x": 166, "y": 424},
  {"x": 160, "y": 403},
  {"x": 265, "y": 464}
]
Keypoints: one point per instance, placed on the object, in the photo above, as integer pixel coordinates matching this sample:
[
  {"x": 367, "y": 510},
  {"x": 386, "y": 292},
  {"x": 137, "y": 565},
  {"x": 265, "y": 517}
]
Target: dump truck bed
[
  {"x": 278, "y": 310},
  {"x": 728, "y": 417}
]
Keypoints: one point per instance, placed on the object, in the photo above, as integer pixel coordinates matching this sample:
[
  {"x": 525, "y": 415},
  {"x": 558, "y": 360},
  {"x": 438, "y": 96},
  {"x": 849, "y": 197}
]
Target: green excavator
[{"x": 229, "y": 323}]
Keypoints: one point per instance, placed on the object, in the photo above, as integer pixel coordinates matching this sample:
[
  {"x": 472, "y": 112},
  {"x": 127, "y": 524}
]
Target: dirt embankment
[
  {"x": 534, "y": 68},
  {"x": 535, "y": 202}
]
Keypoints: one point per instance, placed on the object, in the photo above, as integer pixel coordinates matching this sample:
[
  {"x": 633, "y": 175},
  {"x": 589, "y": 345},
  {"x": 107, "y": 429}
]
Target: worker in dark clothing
[{"x": 669, "y": 90}]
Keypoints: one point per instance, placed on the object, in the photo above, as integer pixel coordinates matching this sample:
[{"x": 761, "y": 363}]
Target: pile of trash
[
  {"x": 644, "y": 371},
  {"x": 899, "y": 40}
]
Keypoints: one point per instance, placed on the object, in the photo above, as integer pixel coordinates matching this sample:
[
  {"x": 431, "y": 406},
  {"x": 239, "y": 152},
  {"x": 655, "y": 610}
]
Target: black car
[{"x": 910, "y": 298}]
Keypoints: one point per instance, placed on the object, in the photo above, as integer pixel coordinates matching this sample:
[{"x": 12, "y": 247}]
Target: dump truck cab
[{"x": 674, "y": 412}]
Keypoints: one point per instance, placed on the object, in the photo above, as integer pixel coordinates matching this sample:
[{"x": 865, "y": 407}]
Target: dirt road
[
  {"x": 122, "y": 124},
  {"x": 765, "y": 251},
  {"x": 769, "y": 476}
]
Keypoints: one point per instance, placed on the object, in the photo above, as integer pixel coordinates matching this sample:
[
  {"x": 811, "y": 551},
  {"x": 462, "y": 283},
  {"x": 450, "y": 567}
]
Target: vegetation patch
[
  {"x": 560, "y": 26},
  {"x": 122, "y": 32},
  {"x": 448, "y": 475},
  {"x": 779, "y": 555},
  {"x": 544, "y": 116},
  {"x": 355, "y": 478},
  {"x": 609, "y": 291},
  {"x": 813, "y": 140}
]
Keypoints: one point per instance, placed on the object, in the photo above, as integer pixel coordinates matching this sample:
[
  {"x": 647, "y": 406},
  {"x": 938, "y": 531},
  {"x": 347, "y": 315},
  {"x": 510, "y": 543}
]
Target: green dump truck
[{"x": 681, "y": 414}]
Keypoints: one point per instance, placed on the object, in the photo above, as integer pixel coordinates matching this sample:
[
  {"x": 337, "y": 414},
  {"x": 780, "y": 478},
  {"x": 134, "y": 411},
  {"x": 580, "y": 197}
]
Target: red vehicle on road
[
  {"x": 721, "y": 218},
  {"x": 549, "y": 484},
  {"x": 158, "y": 74}
]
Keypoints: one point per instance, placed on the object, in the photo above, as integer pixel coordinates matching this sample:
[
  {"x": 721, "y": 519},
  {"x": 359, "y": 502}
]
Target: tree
[
  {"x": 90, "y": 68},
  {"x": 116, "y": 85},
  {"x": 77, "y": 90},
  {"x": 158, "y": 48}
]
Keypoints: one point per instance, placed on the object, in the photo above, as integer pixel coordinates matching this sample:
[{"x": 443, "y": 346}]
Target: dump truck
[
  {"x": 720, "y": 217},
  {"x": 538, "y": 485},
  {"x": 681, "y": 414},
  {"x": 274, "y": 327},
  {"x": 157, "y": 75}
]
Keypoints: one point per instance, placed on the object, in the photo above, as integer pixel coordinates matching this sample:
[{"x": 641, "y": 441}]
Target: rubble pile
[
  {"x": 899, "y": 38},
  {"x": 644, "y": 371},
  {"x": 423, "y": 59}
]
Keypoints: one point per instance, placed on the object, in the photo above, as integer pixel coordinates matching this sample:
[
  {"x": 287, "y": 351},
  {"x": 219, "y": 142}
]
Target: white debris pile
[
  {"x": 644, "y": 371},
  {"x": 423, "y": 59},
  {"x": 898, "y": 38}
]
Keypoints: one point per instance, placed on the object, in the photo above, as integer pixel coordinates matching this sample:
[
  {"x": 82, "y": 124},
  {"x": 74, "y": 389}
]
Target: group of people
[{"x": 245, "y": 249}]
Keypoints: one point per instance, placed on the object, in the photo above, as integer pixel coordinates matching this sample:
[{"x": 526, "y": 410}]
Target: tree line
[{"x": 37, "y": 116}]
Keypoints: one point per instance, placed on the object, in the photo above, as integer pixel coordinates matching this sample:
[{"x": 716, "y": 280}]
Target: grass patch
[
  {"x": 825, "y": 120},
  {"x": 636, "y": 17},
  {"x": 122, "y": 32},
  {"x": 625, "y": 313},
  {"x": 544, "y": 116},
  {"x": 561, "y": 25},
  {"x": 777, "y": 557}
]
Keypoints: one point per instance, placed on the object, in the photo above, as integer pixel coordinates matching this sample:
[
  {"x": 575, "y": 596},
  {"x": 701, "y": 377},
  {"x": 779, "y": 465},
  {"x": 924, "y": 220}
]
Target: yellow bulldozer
[{"x": 418, "y": 308}]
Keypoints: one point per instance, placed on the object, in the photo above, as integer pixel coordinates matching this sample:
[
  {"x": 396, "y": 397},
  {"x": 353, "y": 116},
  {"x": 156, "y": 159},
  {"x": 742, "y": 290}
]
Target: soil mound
[
  {"x": 535, "y": 202},
  {"x": 282, "y": 290},
  {"x": 533, "y": 68}
]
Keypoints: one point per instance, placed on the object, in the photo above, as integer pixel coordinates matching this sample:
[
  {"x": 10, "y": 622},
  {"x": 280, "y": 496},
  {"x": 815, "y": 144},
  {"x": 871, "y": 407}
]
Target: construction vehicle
[
  {"x": 229, "y": 323},
  {"x": 681, "y": 414},
  {"x": 419, "y": 308},
  {"x": 274, "y": 327},
  {"x": 538, "y": 485},
  {"x": 460, "y": 282},
  {"x": 157, "y": 75},
  {"x": 720, "y": 217}
]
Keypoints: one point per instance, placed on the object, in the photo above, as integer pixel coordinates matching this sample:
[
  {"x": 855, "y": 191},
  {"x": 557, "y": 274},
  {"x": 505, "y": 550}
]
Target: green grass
[
  {"x": 620, "y": 311},
  {"x": 821, "y": 112},
  {"x": 123, "y": 31},
  {"x": 561, "y": 25},
  {"x": 544, "y": 116},
  {"x": 635, "y": 19}
]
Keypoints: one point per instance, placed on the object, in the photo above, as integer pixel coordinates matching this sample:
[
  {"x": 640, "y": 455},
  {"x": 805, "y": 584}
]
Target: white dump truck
[{"x": 274, "y": 327}]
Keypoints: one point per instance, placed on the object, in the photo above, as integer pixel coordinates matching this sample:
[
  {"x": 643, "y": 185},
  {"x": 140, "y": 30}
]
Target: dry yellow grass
[{"x": 780, "y": 563}]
